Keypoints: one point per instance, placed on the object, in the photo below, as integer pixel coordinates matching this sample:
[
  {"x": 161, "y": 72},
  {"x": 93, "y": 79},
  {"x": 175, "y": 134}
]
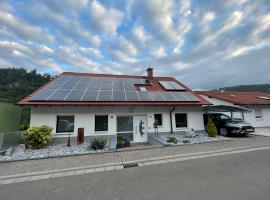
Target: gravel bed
[
  {"x": 181, "y": 139},
  {"x": 55, "y": 150}
]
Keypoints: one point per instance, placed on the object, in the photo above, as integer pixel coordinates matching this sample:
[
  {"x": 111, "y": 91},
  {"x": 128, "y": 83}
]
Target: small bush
[
  {"x": 172, "y": 139},
  {"x": 122, "y": 142},
  {"x": 37, "y": 137},
  {"x": 98, "y": 143},
  {"x": 211, "y": 128}
]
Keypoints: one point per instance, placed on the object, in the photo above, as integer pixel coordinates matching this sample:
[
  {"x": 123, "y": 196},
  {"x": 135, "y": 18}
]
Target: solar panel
[
  {"x": 95, "y": 85},
  {"x": 189, "y": 96},
  {"x": 69, "y": 84},
  {"x": 86, "y": 79},
  {"x": 171, "y": 85},
  {"x": 108, "y": 80},
  {"x": 55, "y": 84},
  {"x": 118, "y": 86},
  {"x": 82, "y": 85},
  {"x": 156, "y": 96},
  {"x": 178, "y": 96},
  {"x": 106, "y": 86},
  {"x": 119, "y": 96},
  {"x": 75, "y": 95},
  {"x": 105, "y": 95},
  {"x": 139, "y": 81},
  {"x": 42, "y": 94},
  {"x": 176, "y": 85},
  {"x": 132, "y": 96},
  {"x": 81, "y": 88},
  {"x": 63, "y": 78},
  {"x": 129, "y": 87},
  {"x": 144, "y": 96},
  {"x": 90, "y": 95},
  {"x": 167, "y": 96},
  {"x": 59, "y": 95}
]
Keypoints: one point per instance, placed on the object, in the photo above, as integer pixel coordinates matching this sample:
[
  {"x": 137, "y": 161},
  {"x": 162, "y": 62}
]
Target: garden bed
[
  {"x": 182, "y": 139},
  {"x": 55, "y": 150}
]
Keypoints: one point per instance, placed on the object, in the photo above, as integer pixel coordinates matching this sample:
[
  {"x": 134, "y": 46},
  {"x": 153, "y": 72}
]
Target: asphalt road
[{"x": 238, "y": 176}]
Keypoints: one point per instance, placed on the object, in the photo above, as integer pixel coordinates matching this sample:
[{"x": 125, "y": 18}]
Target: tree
[{"x": 211, "y": 128}]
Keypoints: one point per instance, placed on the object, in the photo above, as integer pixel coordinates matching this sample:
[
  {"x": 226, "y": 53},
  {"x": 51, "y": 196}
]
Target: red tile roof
[
  {"x": 155, "y": 86},
  {"x": 239, "y": 98}
]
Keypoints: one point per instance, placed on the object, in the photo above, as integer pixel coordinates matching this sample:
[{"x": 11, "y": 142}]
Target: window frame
[
  {"x": 102, "y": 131},
  {"x": 57, "y": 122},
  {"x": 183, "y": 127},
  {"x": 161, "y": 119},
  {"x": 258, "y": 111}
]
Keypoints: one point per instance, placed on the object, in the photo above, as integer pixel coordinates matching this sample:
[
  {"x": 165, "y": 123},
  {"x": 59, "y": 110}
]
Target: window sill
[
  {"x": 182, "y": 128},
  {"x": 259, "y": 119},
  {"x": 64, "y": 133}
]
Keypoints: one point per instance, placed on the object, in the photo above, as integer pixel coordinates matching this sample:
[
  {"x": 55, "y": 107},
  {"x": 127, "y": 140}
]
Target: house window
[
  {"x": 180, "y": 120},
  {"x": 65, "y": 124},
  {"x": 101, "y": 123},
  {"x": 125, "y": 127},
  {"x": 143, "y": 89},
  {"x": 258, "y": 113},
  {"x": 124, "y": 123},
  {"x": 158, "y": 119}
]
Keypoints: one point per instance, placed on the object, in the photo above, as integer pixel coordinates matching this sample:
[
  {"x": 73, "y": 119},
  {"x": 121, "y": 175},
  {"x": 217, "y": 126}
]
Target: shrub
[
  {"x": 37, "y": 137},
  {"x": 122, "y": 142},
  {"x": 211, "y": 128},
  {"x": 98, "y": 143},
  {"x": 172, "y": 139}
]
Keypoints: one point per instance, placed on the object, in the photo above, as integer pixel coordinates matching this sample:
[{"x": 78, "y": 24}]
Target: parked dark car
[{"x": 227, "y": 126}]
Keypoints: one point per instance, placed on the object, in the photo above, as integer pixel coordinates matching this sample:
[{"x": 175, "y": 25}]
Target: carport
[{"x": 226, "y": 108}]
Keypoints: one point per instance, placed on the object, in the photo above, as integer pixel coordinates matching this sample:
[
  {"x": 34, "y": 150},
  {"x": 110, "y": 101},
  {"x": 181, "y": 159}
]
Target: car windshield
[{"x": 225, "y": 117}]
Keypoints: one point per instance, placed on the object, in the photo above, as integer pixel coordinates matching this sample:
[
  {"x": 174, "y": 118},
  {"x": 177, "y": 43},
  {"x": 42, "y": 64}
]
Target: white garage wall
[
  {"x": 262, "y": 122},
  {"x": 85, "y": 117}
]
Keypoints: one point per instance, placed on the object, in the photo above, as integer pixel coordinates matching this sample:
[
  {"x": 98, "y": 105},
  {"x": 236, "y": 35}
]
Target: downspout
[{"x": 173, "y": 109}]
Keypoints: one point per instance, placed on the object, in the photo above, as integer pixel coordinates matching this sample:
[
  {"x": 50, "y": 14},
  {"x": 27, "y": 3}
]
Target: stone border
[{"x": 113, "y": 151}]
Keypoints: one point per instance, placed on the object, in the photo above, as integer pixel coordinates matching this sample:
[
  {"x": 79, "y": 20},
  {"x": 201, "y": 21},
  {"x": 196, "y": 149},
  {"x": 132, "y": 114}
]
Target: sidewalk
[{"x": 88, "y": 161}]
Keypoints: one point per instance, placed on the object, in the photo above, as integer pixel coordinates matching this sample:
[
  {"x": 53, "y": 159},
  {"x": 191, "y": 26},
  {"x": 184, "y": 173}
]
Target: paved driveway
[{"x": 264, "y": 131}]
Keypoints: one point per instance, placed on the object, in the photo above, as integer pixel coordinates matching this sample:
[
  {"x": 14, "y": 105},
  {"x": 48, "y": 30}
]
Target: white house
[
  {"x": 111, "y": 105},
  {"x": 257, "y": 102}
]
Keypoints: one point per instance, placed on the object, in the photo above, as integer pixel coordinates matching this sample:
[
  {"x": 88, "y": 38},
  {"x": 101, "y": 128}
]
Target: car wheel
[{"x": 223, "y": 132}]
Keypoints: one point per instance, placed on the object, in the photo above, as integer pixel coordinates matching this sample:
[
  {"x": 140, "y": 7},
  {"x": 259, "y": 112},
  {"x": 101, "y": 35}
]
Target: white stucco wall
[
  {"x": 85, "y": 117},
  {"x": 249, "y": 117}
]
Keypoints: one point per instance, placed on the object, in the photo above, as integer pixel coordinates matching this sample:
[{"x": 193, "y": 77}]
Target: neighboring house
[
  {"x": 257, "y": 102},
  {"x": 109, "y": 105}
]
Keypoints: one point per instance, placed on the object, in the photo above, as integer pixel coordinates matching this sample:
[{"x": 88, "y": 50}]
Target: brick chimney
[{"x": 150, "y": 73}]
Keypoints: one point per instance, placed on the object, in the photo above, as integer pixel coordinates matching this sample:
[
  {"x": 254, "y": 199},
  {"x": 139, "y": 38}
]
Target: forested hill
[
  {"x": 249, "y": 88},
  {"x": 16, "y": 83}
]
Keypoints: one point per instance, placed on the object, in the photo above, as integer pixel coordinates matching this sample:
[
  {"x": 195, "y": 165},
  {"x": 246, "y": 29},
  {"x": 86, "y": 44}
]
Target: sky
[{"x": 204, "y": 44}]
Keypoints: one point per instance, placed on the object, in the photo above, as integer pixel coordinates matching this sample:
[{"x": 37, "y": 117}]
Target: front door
[{"x": 140, "y": 128}]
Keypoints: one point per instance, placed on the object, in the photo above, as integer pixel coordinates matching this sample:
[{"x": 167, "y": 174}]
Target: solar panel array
[
  {"x": 79, "y": 88},
  {"x": 171, "y": 85}
]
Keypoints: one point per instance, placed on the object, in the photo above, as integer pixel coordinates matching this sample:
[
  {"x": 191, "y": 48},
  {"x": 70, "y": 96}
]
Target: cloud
[
  {"x": 205, "y": 44},
  {"x": 23, "y": 29},
  {"x": 105, "y": 19}
]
